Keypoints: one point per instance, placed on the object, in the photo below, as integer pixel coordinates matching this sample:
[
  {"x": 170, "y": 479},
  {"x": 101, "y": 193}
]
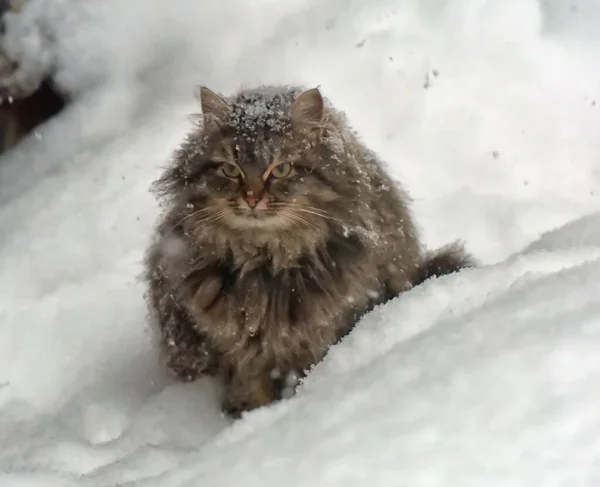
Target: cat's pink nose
[{"x": 252, "y": 198}]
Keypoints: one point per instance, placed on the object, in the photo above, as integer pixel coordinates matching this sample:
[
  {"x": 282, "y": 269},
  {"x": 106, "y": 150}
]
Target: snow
[{"x": 485, "y": 110}]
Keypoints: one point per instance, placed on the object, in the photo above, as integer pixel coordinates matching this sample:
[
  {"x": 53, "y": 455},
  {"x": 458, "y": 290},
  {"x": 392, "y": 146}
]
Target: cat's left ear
[
  {"x": 308, "y": 109},
  {"x": 212, "y": 104}
]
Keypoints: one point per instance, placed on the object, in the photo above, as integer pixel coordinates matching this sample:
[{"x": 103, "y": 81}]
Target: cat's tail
[{"x": 446, "y": 260}]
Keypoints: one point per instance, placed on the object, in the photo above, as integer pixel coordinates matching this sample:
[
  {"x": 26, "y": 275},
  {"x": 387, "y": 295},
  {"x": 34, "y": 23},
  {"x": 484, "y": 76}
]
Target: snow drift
[{"x": 486, "y": 112}]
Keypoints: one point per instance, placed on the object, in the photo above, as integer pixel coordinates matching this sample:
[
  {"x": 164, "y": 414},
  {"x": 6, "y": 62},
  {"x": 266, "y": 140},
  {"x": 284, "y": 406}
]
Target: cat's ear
[
  {"x": 212, "y": 104},
  {"x": 308, "y": 109}
]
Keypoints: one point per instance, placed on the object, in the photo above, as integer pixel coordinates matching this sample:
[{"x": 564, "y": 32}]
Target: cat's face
[{"x": 255, "y": 177}]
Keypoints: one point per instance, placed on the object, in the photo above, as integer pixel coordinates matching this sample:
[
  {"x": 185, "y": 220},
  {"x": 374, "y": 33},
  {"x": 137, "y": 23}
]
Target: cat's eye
[
  {"x": 231, "y": 171},
  {"x": 282, "y": 170}
]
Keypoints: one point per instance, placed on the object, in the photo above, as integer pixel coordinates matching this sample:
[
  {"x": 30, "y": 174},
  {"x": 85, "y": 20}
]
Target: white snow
[{"x": 486, "y": 378}]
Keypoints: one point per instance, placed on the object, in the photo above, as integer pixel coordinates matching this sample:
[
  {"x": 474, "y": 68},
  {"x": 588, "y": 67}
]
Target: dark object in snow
[
  {"x": 281, "y": 230},
  {"x": 427, "y": 82},
  {"x": 18, "y": 117},
  {"x": 26, "y": 100}
]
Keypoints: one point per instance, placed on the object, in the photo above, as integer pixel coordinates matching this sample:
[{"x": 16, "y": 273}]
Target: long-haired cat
[{"x": 281, "y": 230}]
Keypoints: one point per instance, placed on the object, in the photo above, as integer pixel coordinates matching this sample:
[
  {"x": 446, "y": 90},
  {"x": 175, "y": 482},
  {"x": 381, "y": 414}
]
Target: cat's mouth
[
  {"x": 259, "y": 210},
  {"x": 247, "y": 219},
  {"x": 257, "y": 214},
  {"x": 264, "y": 214},
  {"x": 271, "y": 215}
]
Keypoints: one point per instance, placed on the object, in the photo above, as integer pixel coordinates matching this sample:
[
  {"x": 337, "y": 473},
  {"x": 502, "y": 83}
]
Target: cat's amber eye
[
  {"x": 231, "y": 171},
  {"x": 282, "y": 170}
]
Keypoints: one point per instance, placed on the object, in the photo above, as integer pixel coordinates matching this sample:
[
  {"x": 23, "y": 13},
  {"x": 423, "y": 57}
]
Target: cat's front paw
[
  {"x": 287, "y": 383},
  {"x": 248, "y": 393},
  {"x": 234, "y": 409}
]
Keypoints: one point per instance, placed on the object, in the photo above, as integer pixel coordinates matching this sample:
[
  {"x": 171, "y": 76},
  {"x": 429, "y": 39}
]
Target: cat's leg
[
  {"x": 286, "y": 381},
  {"x": 186, "y": 352},
  {"x": 395, "y": 279},
  {"x": 245, "y": 392}
]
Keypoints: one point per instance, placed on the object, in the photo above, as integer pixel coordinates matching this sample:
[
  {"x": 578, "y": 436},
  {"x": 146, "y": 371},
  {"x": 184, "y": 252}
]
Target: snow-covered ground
[{"x": 488, "y": 111}]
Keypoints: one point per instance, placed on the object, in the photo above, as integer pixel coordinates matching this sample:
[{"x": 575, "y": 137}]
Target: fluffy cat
[{"x": 281, "y": 231}]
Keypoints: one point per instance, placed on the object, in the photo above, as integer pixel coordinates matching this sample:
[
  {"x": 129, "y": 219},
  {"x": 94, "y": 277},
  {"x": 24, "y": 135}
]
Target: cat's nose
[
  {"x": 252, "y": 198},
  {"x": 252, "y": 201}
]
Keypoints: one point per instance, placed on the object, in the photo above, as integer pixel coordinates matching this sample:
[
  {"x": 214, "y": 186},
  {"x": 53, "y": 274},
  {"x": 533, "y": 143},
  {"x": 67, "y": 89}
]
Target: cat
[{"x": 281, "y": 230}]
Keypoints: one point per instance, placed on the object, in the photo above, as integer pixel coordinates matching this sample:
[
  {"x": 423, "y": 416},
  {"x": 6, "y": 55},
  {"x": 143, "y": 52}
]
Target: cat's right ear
[
  {"x": 308, "y": 109},
  {"x": 213, "y": 106}
]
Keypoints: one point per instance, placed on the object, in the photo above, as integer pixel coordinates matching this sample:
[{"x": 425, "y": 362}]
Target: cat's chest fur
[{"x": 264, "y": 307}]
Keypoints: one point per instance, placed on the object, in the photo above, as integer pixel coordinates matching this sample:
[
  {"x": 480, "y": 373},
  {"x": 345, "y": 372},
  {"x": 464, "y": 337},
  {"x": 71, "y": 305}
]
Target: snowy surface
[{"x": 488, "y": 111}]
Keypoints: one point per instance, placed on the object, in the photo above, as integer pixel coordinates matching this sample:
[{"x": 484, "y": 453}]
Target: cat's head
[{"x": 260, "y": 162}]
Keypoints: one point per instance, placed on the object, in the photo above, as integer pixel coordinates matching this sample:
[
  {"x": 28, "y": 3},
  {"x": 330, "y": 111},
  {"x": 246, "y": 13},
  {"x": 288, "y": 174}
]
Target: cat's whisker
[
  {"x": 190, "y": 215},
  {"x": 299, "y": 219},
  {"x": 218, "y": 215},
  {"x": 314, "y": 208},
  {"x": 307, "y": 209},
  {"x": 289, "y": 217},
  {"x": 327, "y": 217},
  {"x": 206, "y": 218},
  {"x": 300, "y": 222},
  {"x": 215, "y": 217},
  {"x": 318, "y": 210},
  {"x": 289, "y": 220},
  {"x": 299, "y": 208},
  {"x": 313, "y": 212}
]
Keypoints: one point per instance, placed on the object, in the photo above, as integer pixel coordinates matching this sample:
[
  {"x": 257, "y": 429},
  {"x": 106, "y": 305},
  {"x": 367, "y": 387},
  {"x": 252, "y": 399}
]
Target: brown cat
[{"x": 282, "y": 229}]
